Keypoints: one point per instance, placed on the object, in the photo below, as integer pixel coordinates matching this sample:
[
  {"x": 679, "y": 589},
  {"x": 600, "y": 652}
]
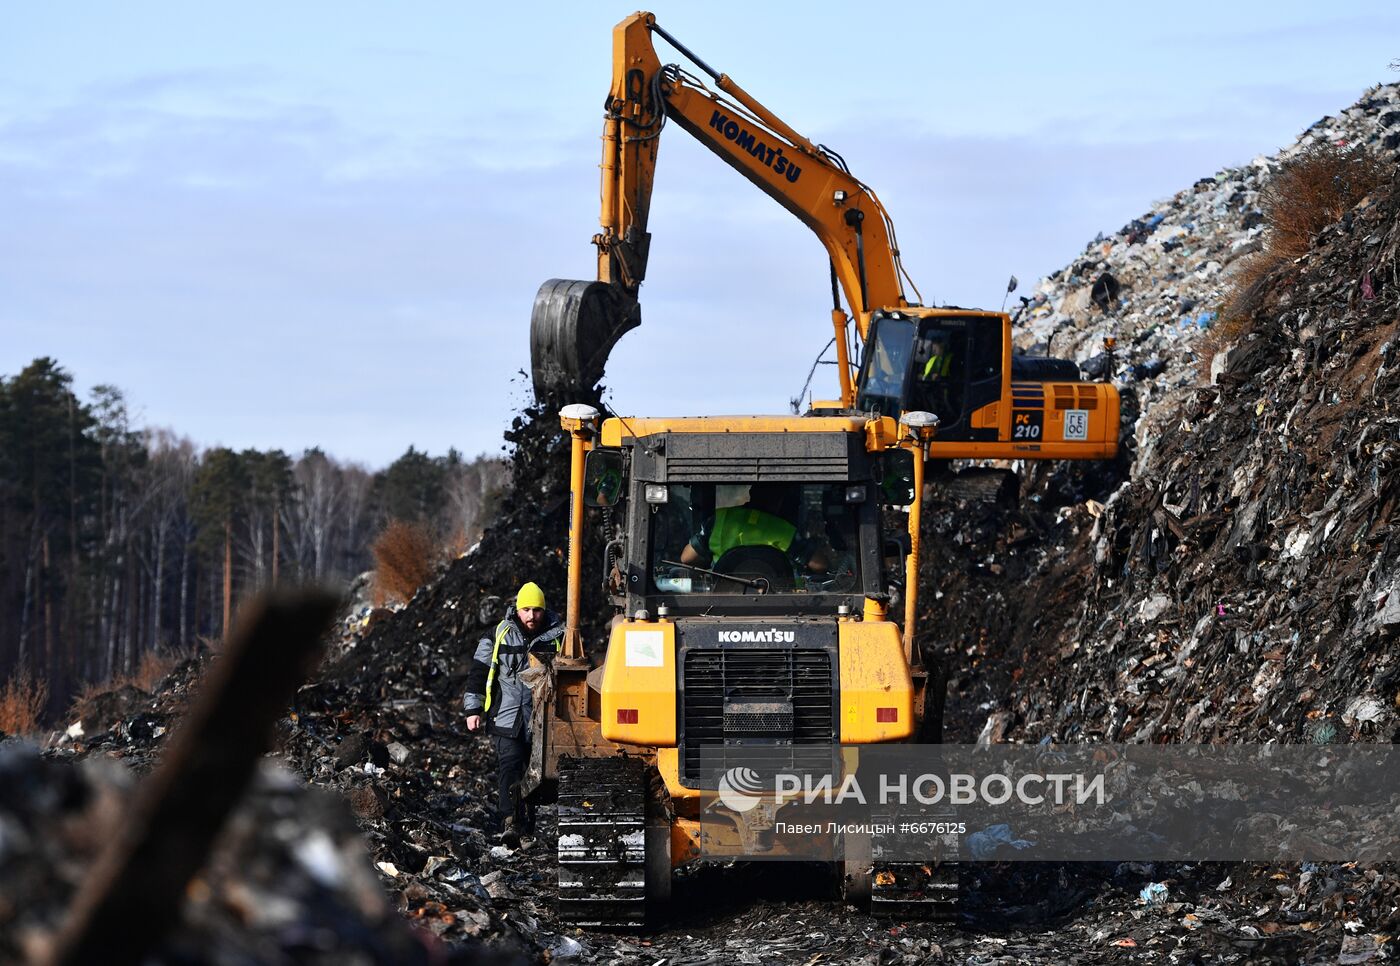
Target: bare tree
[
  {"x": 311, "y": 514},
  {"x": 472, "y": 489},
  {"x": 354, "y": 534},
  {"x": 164, "y": 484}
]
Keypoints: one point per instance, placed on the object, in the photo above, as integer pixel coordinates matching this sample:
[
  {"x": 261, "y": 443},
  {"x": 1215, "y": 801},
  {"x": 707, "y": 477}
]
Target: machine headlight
[{"x": 657, "y": 493}]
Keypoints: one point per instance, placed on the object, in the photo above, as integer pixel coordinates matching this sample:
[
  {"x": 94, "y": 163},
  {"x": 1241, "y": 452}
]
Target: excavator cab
[
  {"x": 990, "y": 403},
  {"x": 949, "y": 365}
]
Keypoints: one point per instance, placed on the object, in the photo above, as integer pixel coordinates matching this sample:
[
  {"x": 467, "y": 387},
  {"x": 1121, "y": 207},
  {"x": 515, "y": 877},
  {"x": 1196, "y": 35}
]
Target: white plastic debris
[
  {"x": 1388, "y": 601},
  {"x": 1296, "y": 543},
  {"x": 566, "y": 947},
  {"x": 1153, "y": 607},
  {"x": 1364, "y": 709},
  {"x": 317, "y": 854}
]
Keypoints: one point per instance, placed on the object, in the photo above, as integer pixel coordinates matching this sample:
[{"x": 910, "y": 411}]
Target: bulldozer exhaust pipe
[{"x": 580, "y": 422}]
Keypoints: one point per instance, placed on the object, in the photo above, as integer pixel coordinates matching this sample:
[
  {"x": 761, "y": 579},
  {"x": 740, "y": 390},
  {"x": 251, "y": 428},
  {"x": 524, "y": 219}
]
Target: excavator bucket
[{"x": 573, "y": 328}]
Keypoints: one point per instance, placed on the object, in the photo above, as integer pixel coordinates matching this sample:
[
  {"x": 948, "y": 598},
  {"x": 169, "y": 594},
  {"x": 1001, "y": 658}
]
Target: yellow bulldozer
[{"x": 754, "y": 568}]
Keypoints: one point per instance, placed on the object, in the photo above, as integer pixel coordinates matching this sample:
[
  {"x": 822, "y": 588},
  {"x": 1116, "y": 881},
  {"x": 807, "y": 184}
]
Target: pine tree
[
  {"x": 217, "y": 494},
  {"x": 46, "y": 472},
  {"x": 413, "y": 488},
  {"x": 269, "y": 479}
]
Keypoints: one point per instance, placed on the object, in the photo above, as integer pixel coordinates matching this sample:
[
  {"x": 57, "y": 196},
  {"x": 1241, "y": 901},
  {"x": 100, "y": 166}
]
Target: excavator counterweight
[{"x": 573, "y": 327}]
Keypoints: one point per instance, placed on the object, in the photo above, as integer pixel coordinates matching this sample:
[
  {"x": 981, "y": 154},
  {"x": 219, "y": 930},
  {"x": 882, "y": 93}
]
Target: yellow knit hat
[{"x": 530, "y": 596}]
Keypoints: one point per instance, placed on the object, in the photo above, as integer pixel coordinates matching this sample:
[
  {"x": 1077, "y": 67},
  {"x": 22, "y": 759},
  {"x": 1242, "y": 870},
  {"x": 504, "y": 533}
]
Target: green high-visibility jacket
[
  {"x": 741, "y": 526},
  {"x": 938, "y": 365}
]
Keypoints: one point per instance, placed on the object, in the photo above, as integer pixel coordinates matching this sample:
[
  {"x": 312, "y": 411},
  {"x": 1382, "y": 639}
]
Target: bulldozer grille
[
  {"x": 758, "y": 722},
  {"x": 764, "y": 703}
]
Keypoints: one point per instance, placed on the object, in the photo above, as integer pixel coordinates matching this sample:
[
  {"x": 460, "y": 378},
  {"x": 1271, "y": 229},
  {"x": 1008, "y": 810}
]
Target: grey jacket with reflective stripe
[{"x": 494, "y": 687}]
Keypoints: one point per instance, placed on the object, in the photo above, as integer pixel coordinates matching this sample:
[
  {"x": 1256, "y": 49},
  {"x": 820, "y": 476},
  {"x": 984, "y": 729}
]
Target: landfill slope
[{"x": 1235, "y": 576}]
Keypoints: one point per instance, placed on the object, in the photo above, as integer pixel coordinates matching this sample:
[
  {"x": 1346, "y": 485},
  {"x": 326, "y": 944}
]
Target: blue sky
[{"x": 324, "y": 223}]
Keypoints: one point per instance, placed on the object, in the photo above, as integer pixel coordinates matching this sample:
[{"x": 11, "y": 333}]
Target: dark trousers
[{"x": 512, "y": 757}]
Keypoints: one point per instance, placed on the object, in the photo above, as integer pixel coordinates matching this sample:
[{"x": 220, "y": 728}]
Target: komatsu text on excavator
[{"x": 763, "y": 569}]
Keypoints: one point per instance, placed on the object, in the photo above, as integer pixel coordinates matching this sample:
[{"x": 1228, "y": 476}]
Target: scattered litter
[
  {"x": 984, "y": 844},
  {"x": 1154, "y": 894}
]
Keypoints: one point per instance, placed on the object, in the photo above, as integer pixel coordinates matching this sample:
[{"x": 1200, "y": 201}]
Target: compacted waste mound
[{"x": 1233, "y": 576}]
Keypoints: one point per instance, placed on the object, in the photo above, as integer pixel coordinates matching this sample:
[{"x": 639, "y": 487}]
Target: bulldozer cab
[
  {"x": 753, "y": 522},
  {"x": 716, "y": 515},
  {"x": 756, "y": 538},
  {"x": 948, "y": 365}
]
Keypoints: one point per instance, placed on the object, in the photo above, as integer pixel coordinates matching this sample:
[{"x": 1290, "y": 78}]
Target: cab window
[{"x": 756, "y": 538}]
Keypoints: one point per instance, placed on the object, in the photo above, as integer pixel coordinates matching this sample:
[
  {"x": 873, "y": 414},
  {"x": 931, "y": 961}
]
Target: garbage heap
[
  {"x": 1243, "y": 585},
  {"x": 1157, "y": 284},
  {"x": 289, "y": 881},
  {"x": 1234, "y": 577}
]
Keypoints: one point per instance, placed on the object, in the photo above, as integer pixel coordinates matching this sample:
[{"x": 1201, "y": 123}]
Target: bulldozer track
[
  {"x": 879, "y": 876},
  {"x": 914, "y": 890},
  {"x": 923, "y": 889},
  {"x": 602, "y": 842}
]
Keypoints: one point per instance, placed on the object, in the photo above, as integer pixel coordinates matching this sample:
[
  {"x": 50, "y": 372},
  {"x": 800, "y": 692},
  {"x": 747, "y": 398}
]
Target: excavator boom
[{"x": 575, "y": 324}]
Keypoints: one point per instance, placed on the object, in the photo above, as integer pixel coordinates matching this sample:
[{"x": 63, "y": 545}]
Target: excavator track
[
  {"x": 602, "y": 842},
  {"x": 983, "y": 484}
]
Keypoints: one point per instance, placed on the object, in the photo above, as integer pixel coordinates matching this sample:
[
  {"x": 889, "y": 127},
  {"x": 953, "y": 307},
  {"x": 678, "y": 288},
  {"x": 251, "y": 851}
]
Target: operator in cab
[
  {"x": 937, "y": 388},
  {"x": 764, "y": 521}
]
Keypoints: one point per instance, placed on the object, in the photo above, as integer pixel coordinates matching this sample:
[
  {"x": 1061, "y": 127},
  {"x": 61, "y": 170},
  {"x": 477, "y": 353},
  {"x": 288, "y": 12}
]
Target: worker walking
[{"x": 498, "y": 698}]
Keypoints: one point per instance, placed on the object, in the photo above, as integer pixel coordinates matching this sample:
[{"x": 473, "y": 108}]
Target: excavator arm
[{"x": 575, "y": 324}]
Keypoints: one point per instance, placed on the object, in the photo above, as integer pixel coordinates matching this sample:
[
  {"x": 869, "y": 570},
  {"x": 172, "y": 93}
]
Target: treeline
[{"x": 118, "y": 541}]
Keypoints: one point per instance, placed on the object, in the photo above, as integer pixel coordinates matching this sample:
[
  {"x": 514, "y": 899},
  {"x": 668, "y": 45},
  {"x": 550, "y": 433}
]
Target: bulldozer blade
[{"x": 573, "y": 327}]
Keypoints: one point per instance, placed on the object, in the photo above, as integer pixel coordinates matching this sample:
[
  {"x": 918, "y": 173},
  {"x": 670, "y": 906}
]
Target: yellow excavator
[
  {"x": 763, "y": 569},
  {"x": 955, "y": 363}
]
